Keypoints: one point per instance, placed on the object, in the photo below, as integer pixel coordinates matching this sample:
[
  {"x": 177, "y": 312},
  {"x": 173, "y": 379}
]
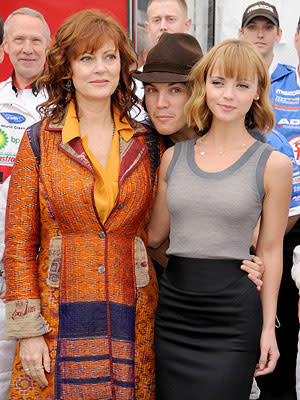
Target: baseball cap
[{"x": 260, "y": 9}]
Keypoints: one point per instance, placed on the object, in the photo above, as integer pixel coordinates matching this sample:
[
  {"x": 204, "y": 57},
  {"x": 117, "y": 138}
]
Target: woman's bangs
[
  {"x": 92, "y": 39},
  {"x": 232, "y": 62}
]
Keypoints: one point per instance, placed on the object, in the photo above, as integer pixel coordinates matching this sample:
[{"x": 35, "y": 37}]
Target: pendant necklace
[{"x": 221, "y": 152}]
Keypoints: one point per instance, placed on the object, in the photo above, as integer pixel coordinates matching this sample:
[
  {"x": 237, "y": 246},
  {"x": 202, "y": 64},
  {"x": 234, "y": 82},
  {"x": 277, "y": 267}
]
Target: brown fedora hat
[{"x": 171, "y": 59}]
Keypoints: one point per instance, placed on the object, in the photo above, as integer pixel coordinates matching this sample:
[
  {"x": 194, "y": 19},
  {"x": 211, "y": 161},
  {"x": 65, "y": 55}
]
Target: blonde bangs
[
  {"x": 233, "y": 59},
  {"x": 233, "y": 62}
]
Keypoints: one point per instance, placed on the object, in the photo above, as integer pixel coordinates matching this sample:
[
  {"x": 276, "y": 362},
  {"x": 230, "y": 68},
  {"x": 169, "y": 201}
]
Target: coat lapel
[
  {"x": 131, "y": 153},
  {"x": 74, "y": 149}
]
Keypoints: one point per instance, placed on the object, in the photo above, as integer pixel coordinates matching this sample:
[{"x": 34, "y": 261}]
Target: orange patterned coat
[{"x": 92, "y": 290}]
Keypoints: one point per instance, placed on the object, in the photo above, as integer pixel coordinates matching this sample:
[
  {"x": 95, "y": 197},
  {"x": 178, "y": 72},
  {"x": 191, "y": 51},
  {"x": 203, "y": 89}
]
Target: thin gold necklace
[{"x": 221, "y": 152}]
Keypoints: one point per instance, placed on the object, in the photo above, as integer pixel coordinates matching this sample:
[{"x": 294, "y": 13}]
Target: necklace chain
[{"x": 221, "y": 152}]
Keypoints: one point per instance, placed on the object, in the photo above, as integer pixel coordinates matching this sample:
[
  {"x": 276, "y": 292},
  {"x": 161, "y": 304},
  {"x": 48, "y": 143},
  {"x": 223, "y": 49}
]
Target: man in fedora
[
  {"x": 165, "y": 74},
  {"x": 163, "y": 16}
]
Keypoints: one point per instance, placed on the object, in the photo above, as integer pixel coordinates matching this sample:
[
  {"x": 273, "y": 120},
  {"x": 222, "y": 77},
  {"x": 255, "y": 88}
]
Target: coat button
[
  {"x": 102, "y": 235},
  {"x": 101, "y": 269}
]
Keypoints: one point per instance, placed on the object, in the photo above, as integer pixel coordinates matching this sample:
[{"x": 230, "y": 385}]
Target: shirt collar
[
  {"x": 15, "y": 87},
  {"x": 71, "y": 128}
]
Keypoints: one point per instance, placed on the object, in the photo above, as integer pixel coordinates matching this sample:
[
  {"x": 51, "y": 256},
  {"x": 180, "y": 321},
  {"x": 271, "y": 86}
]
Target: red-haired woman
[{"x": 81, "y": 294}]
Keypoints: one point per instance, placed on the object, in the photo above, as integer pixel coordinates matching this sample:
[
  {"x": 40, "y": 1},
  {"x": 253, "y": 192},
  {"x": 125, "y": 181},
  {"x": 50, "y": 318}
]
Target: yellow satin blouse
[{"x": 106, "y": 180}]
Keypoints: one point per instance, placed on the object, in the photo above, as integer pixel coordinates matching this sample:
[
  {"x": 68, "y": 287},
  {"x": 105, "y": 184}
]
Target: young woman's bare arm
[
  {"x": 278, "y": 183},
  {"x": 159, "y": 226}
]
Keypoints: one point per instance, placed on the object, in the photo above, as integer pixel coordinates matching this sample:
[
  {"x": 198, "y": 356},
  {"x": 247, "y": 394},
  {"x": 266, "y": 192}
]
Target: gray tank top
[{"x": 213, "y": 214}]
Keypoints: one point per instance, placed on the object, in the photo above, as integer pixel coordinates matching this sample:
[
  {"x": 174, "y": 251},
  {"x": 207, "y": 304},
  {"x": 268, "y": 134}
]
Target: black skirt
[{"x": 207, "y": 331}]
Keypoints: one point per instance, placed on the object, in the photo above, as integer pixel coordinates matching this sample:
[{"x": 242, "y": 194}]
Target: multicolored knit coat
[{"x": 92, "y": 290}]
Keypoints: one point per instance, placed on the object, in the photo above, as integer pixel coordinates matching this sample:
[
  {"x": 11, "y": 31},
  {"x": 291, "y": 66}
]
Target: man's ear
[
  {"x": 147, "y": 26},
  {"x": 4, "y": 45},
  {"x": 241, "y": 34},
  {"x": 187, "y": 25},
  {"x": 296, "y": 39}
]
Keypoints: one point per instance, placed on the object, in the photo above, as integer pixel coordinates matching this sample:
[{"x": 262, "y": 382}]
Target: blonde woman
[{"x": 210, "y": 320}]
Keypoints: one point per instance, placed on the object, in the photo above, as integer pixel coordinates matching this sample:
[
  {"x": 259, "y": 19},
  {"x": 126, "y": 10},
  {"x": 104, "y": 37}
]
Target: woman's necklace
[{"x": 221, "y": 152}]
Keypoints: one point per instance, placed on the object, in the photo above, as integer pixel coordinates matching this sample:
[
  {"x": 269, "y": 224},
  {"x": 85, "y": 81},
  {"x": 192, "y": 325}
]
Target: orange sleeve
[{"x": 23, "y": 317}]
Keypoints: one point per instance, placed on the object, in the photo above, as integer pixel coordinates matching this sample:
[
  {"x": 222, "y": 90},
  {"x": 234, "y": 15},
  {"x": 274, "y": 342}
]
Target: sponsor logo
[
  {"x": 3, "y": 139},
  {"x": 14, "y": 127},
  {"x": 295, "y": 143},
  {"x": 260, "y": 7},
  {"x": 286, "y": 100},
  {"x": 13, "y": 118},
  {"x": 296, "y": 198},
  {"x": 292, "y": 121},
  {"x": 289, "y": 123},
  {"x": 15, "y": 140},
  {"x": 288, "y": 92},
  {"x": 7, "y": 158}
]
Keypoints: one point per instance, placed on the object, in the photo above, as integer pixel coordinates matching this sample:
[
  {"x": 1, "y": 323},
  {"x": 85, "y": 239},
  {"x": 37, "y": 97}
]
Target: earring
[
  {"x": 68, "y": 85},
  {"x": 257, "y": 98}
]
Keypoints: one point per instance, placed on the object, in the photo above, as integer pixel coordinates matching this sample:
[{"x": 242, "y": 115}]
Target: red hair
[{"x": 85, "y": 32}]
